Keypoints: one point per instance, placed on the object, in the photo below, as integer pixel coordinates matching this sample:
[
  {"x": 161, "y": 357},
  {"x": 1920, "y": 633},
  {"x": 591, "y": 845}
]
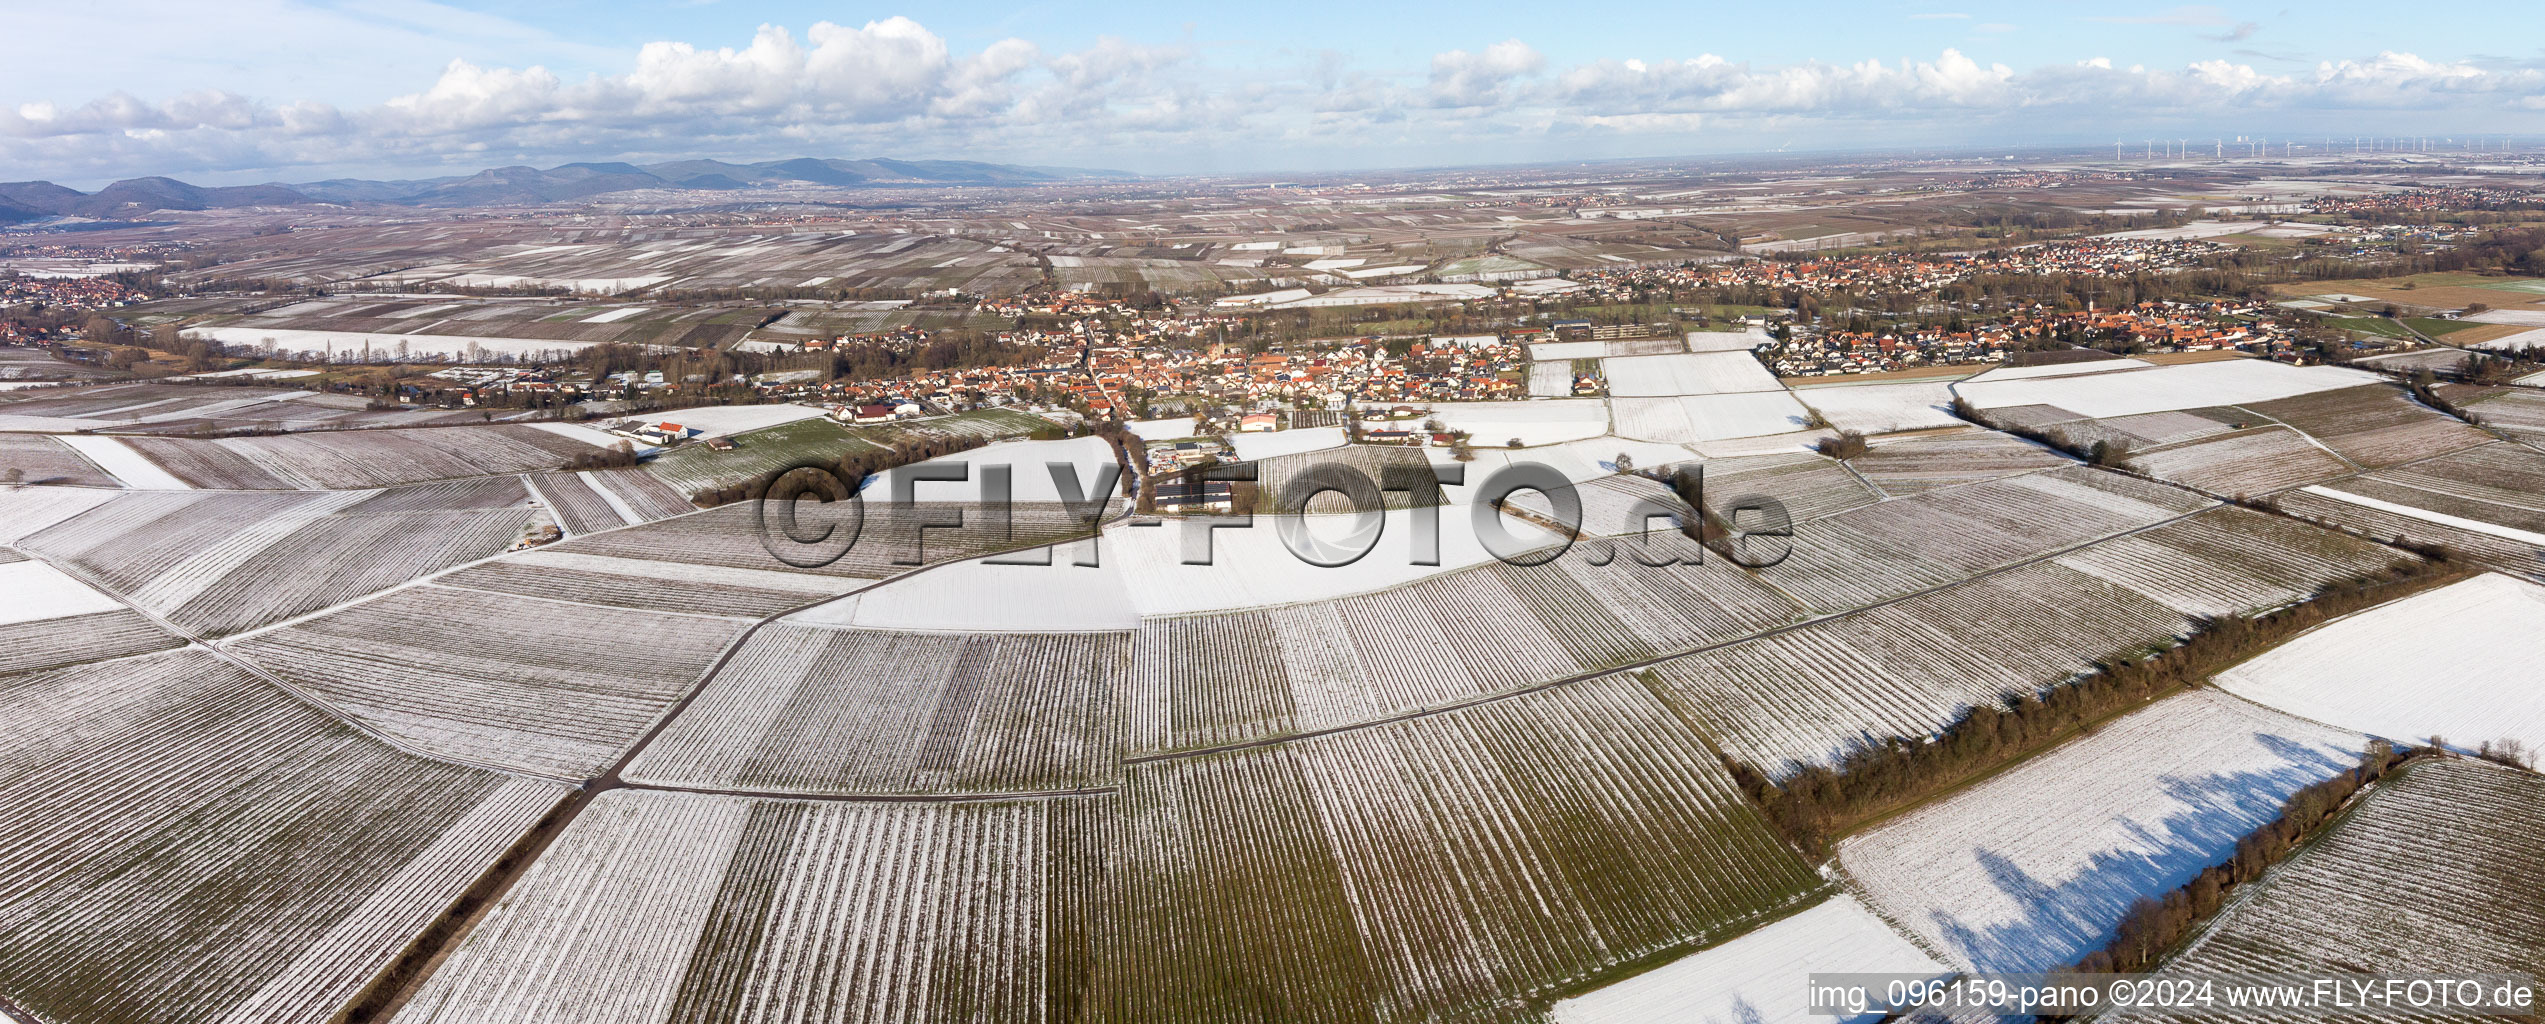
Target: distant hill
[{"x": 502, "y": 186}]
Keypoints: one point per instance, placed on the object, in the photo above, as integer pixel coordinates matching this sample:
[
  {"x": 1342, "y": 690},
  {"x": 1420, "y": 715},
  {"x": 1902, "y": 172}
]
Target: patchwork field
[
  {"x": 42, "y": 459},
  {"x": 2244, "y": 463},
  {"x": 1455, "y": 863},
  {"x": 522, "y": 683},
  {"x": 1907, "y": 465},
  {"x": 809, "y": 710},
  {"x": 2375, "y": 426},
  {"x": 1810, "y": 694},
  {"x": 218, "y": 562},
  {"x": 364, "y": 458},
  {"x": 1940, "y": 536},
  {"x": 673, "y": 907},
  {"x": 168, "y": 812}
]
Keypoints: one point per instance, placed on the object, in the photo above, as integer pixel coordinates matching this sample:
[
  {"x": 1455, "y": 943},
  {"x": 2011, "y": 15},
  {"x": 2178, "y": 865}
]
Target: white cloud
[
  {"x": 1462, "y": 79},
  {"x": 894, "y": 87}
]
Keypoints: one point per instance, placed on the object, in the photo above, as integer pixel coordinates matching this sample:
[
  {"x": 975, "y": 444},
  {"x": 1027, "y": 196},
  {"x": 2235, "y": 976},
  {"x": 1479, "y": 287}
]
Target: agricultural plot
[
  {"x": 214, "y": 562},
  {"x": 2374, "y": 426},
  {"x": 531, "y": 684},
  {"x": 146, "y": 407},
  {"x": 126, "y": 467},
  {"x": 1551, "y": 380},
  {"x": 576, "y": 504},
  {"x": 1710, "y": 373},
  {"x": 1812, "y": 693},
  {"x": 2434, "y": 872},
  {"x": 2517, "y": 411},
  {"x": 28, "y": 459},
  {"x": 817, "y": 442},
  {"x": 673, "y": 908},
  {"x": 887, "y": 541},
  {"x": 2164, "y": 388},
  {"x": 28, "y": 510},
  {"x": 612, "y": 582},
  {"x": 1908, "y": 465},
  {"x": 829, "y": 711},
  {"x": 1274, "y": 443},
  {"x": 2149, "y": 430},
  {"x": 1758, "y": 978},
  {"x": 1447, "y": 865},
  {"x": 1809, "y": 485},
  {"x": 2031, "y": 868},
  {"x": 2507, "y": 476},
  {"x": 1554, "y": 421},
  {"x": 1709, "y": 417},
  {"x": 2244, "y": 463},
  {"x": 358, "y": 458},
  {"x": 1883, "y": 408},
  {"x": 2459, "y": 662},
  {"x": 170, "y": 812},
  {"x": 2514, "y": 551},
  {"x": 49, "y": 619},
  {"x": 1277, "y": 478},
  {"x": 1451, "y": 638},
  {"x": 1940, "y": 536}
]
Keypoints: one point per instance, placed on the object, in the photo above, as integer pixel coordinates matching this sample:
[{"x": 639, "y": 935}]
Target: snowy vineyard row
[
  {"x": 217, "y": 562},
  {"x": 498, "y": 679},
  {"x": 358, "y": 458},
  {"x": 167, "y": 813},
  {"x": 1467, "y": 862},
  {"x": 1937, "y": 537},
  {"x": 825, "y": 711},
  {"x": 1909, "y": 668}
]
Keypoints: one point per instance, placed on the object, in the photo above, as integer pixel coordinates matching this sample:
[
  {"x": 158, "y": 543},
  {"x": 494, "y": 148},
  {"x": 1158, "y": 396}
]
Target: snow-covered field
[
  {"x": 2515, "y": 342},
  {"x": 593, "y": 436},
  {"x": 1757, "y": 978},
  {"x": 31, "y": 591},
  {"x": 1168, "y": 429},
  {"x": 127, "y": 465},
  {"x": 2189, "y": 386},
  {"x": 1710, "y": 417},
  {"x": 1727, "y": 341},
  {"x": 2428, "y": 516},
  {"x": 28, "y": 510},
  {"x": 1711, "y": 373},
  {"x": 615, "y": 315},
  {"x": 1560, "y": 351},
  {"x": 2032, "y": 868},
  {"x": 2525, "y": 317},
  {"x": 2462, "y": 662},
  {"x": 1492, "y": 424},
  {"x": 1883, "y": 408},
  {"x": 2195, "y": 229},
  {"x": 1551, "y": 380},
  {"x": 1267, "y": 444},
  {"x": 719, "y": 420},
  {"x": 2056, "y": 370}
]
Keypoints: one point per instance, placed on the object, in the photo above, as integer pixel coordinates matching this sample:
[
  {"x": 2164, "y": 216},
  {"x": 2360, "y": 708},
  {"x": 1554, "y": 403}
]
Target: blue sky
[{"x": 252, "y": 90}]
